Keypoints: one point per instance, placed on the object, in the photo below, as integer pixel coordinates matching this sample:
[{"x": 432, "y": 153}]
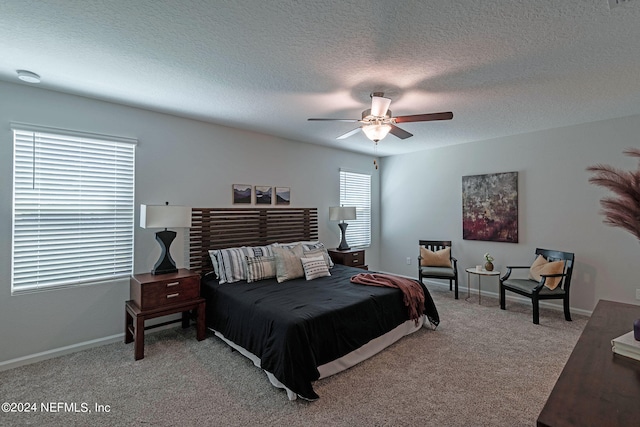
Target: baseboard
[
  {"x": 513, "y": 298},
  {"x": 61, "y": 351}
]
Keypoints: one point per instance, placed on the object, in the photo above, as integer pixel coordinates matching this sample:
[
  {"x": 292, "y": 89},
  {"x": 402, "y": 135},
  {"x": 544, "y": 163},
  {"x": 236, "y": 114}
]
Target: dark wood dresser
[
  {"x": 350, "y": 257},
  {"x": 161, "y": 295},
  {"x": 597, "y": 387}
]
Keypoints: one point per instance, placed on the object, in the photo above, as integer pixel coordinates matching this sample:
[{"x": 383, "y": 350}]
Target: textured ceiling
[{"x": 502, "y": 67}]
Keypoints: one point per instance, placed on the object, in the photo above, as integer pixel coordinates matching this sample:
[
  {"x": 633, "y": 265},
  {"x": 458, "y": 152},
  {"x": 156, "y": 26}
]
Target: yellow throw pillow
[
  {"x": 542, "y": 266},
  {"x": 441, "y": 258}
]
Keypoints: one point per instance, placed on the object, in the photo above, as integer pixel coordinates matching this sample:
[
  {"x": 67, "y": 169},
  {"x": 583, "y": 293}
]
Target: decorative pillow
[
  {"x": 302, "y": 242},
  {"x": 315, "y": 267},
  {"x": 232, "y": 266},
  {"x": 542, "y": 266},
  {"x": 319, "y": 252},
  {"x": 441, "y": 258},
  {"x": 288, "y": 264},
  {"x": 213, "y": 253},
  {"x": 260, "y": 267}
]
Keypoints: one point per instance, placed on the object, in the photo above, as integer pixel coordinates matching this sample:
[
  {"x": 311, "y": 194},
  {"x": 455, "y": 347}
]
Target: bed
[{"x": 297, "y": 330}]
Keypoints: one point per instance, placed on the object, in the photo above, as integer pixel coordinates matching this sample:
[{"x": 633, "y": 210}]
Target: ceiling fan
[{"x": 378, "y": 122}]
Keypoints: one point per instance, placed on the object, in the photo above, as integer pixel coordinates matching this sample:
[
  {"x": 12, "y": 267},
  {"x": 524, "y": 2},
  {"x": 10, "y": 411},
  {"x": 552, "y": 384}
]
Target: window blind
[
  {"x": 73, "y": 211},
  {"x": 355, "y": 190}
]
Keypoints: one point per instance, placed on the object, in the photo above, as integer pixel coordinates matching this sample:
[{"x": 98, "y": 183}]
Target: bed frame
[{"x": 219, "y": 228}]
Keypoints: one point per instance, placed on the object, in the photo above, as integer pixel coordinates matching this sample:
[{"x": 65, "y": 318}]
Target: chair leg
[
  {"x": 450, "y": 284},
  {"x": 502, "y": 297},
  {"x": 567, "y": 314},
  {"x": 536, "y": 311},
  {"x": 456, "y": 287}
]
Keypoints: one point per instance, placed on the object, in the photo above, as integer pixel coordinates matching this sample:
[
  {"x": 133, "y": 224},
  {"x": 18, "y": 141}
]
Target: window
[
  {"x": 355, "y": 190},
  {"x": 72, "y": 208}
]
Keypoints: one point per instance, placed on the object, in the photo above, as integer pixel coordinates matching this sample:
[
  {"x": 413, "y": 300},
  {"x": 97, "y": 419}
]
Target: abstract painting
[
  {"x": 242, "y": 194},
  {"x": 490, "y": 207}
]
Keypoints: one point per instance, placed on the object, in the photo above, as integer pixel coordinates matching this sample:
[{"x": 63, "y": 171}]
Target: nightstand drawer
[
  {"x": 158, "y": 291},
  {"x": 169, "y": 292},
  {"x": 352, "y": 258}
]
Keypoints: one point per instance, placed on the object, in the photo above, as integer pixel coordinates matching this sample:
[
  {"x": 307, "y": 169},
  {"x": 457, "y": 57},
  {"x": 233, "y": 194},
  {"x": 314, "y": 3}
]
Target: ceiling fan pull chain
[{"x": 375, "y": 154}]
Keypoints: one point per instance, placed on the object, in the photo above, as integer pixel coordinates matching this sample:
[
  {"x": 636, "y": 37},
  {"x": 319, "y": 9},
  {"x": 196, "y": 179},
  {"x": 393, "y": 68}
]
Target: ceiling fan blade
[
  {"x": 350, "y": 133},
  {"x": 400, "y": 133},
  {"x": 424, "y": 117},
  {"x": 334, "y": 120},
  {"x": 379, "y": 106}
]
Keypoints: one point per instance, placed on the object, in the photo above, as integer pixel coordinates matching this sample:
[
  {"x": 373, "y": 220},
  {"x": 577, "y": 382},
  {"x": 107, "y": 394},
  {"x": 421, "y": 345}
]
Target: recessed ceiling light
[{"x": 28, "y": 76}]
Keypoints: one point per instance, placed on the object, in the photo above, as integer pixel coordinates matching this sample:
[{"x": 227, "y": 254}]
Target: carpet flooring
[{"x": 481, "y": 367}]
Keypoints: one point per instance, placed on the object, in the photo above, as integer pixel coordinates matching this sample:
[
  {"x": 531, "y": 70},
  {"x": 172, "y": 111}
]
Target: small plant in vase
[{"x": 488, "y": 265}]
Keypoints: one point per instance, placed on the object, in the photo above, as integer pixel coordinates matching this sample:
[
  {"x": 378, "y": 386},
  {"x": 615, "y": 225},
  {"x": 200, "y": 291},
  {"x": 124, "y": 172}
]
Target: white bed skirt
[{"x": 371, "y": 348}]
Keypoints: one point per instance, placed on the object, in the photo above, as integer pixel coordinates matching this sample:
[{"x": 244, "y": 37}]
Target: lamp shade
[
  {"x": 339, "y": 213},
  {"x": 165, "y": 216}
]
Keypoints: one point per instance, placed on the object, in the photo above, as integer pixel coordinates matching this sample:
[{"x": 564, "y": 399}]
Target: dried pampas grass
[{"x": 624, "y": 210}]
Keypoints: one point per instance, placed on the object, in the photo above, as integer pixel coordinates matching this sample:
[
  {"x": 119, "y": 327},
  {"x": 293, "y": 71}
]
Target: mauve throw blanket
[{"x": 416, "y": 296}]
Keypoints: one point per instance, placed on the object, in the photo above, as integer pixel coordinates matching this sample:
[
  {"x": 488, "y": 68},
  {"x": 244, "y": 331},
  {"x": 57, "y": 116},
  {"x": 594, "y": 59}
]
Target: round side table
[{"x": 479, "y": 273}]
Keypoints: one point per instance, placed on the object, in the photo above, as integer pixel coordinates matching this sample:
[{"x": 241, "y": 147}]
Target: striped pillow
[
  {"x": 314, "y": 248},
  {"x": 315, "y": 267},
  {"x": 232, "y": 265},
  {"x": 260, "y": 267}
]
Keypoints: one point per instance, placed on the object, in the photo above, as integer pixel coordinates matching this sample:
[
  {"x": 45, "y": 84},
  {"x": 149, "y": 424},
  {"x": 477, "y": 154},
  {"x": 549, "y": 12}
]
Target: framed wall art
[
  {"x": 490, "y": 207},
  {"x": 263, "y": 195},
  {"x": 242, "y": 194},
  {"x": 283, "y": 195}
]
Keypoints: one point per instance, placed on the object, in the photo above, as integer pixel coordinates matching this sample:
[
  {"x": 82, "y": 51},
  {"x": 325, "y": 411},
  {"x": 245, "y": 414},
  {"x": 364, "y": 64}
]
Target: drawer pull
[
  {"x": 173, "y": 284},
  {"x": 173, "y": 295}
]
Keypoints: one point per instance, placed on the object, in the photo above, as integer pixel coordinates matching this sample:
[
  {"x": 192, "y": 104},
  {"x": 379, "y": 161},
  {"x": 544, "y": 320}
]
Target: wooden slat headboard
[{"x": 219, "y": 228}]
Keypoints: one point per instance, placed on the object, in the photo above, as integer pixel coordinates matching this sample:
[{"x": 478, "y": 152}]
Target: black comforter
[{"x": 297, "y": 325}]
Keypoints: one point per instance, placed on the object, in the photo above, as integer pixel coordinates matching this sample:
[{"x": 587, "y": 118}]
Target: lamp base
[
  {"x": 343, "y": 244},
  {"x": 165, "y": 264}
]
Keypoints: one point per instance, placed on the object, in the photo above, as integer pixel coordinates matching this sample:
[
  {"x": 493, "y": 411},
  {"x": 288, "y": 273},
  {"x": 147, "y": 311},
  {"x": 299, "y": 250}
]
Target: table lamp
[
  {"x": 164, "y": 217},
  {"x": 340, "y": 213}
]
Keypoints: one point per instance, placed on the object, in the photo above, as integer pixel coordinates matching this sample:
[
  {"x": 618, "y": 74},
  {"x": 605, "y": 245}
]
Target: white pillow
[
  {"x": 213, "y": 253},
  {"x": 315, "y": 267}
]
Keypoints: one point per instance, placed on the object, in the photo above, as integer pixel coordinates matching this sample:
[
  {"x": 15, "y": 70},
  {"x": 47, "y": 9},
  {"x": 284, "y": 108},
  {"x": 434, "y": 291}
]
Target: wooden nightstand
[
  {"x": 160, "y": 295},
  {"x": 350, "y": 257}
]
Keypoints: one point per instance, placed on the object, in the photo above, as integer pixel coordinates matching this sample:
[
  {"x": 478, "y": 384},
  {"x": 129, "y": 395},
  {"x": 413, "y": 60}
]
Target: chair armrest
[
  {"x": 543, "y": 278},
  {"x": 509, "y": 268},
  {"x": 455, "y": 263}
]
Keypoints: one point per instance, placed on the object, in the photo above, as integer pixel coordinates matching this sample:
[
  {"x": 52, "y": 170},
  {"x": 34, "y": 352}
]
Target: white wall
[
  {"x": 421, "y": 198},
  {"x": 182, "y": 161}
]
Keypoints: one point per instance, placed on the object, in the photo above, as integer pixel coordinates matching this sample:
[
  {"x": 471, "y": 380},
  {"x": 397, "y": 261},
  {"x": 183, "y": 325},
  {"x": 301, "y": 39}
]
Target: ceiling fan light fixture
[{"x": 376, "y": 132}]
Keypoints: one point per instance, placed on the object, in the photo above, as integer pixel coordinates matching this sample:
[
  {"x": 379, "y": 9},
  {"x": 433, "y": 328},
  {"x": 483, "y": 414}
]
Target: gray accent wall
[
  {"x": 185, "y": 162},
  {"x": 421, "y": 198}
]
